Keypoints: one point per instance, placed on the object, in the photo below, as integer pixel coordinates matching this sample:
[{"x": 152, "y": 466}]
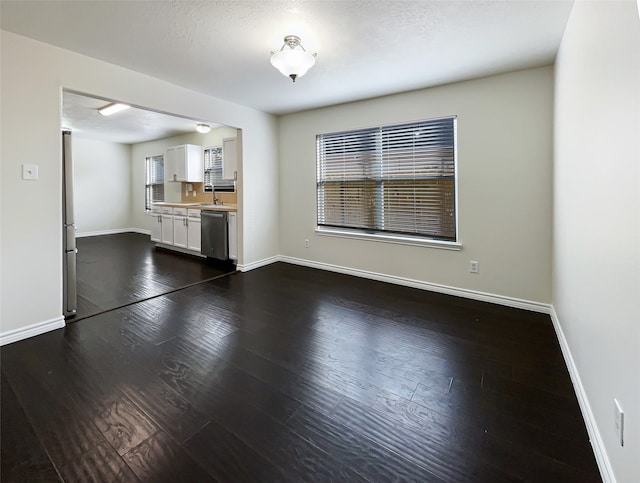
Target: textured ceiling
[
  {"x": 80, "y": 114},
  {"x": 365, "y": 48}
]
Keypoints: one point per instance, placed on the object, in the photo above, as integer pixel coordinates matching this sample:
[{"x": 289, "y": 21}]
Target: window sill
[{"x": 397, "y": 239}]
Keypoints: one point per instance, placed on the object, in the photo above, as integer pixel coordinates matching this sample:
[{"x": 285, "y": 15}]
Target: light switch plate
[
  {"x": 30, "y": 171},
  {"x": 619, "y": 422}
]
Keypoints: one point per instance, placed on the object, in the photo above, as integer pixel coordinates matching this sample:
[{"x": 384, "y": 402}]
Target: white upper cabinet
[
  {"x": 229, "y": 158},
  {"x": 184, "y": 163}
]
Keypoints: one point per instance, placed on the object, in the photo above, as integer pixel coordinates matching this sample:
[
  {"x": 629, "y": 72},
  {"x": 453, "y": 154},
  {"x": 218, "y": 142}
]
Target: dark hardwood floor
[
  {"x": 287, "y": 373},
  {"x": 115, "y": 270}
]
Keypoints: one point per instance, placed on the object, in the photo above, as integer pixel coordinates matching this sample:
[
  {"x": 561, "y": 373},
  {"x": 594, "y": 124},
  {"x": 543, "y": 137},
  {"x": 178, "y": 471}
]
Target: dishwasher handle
[{"x": 214, "y": 214}]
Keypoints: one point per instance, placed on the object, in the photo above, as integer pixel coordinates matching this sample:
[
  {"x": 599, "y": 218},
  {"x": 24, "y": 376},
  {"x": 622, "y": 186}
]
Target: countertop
[{"x": 200, "y": 206}]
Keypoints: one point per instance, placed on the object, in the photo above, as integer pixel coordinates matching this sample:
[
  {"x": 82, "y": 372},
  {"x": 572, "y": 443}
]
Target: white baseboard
[
  {"x": 113, "y": 231},
  {"x": 258, "y": 264},
  {"x": 31, "y": 330},
  {"x": 599, "y": 450},
  {"x": 433, "y": 287},
  {"x": 606, "y": 470}
]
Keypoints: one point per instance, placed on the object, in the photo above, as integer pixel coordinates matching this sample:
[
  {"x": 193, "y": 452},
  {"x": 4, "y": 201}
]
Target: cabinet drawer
[
  {"x": 166, "y": 210},
  {"x": 191, "y": 213},
  {"x": 180, "y": 211}
]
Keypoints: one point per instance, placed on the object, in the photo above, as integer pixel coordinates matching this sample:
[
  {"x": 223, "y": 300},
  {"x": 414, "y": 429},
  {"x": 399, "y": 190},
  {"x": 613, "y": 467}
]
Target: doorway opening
[{"x": 117, "y": 262}]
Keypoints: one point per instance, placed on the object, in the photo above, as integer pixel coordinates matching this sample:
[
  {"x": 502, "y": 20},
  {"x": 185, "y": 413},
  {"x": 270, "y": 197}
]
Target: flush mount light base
[
  {"x": 203, "y": 128},
  {"x": 292, "y": 41},
  {"x": 292, "y": 60}
]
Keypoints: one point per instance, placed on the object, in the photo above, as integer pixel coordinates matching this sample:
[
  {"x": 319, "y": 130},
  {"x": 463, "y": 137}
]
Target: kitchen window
[
  {"x": 395, "y": 182},
  {"x": 154, "y": 181},
  {"x": 213, "y": 171}
]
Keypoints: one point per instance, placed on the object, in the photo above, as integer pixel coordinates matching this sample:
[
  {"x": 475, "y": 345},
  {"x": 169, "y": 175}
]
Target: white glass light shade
[
  {"x": 203, "y": 128},
  {"x": 293, "y": 63}
]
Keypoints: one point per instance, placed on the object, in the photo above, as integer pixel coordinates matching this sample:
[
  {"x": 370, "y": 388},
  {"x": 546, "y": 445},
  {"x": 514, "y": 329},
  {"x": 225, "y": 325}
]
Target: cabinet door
[
  {"x": 167, "y": 229},
  {"x": 194, "y": 235},
  {"x": 194, "y": 164},
  {"x": 180, "y": 231},
  {"x": 233, "y": 236},
  {"x": 156, "y": 227},
  {"x": 229, "y": 158},
  {"x": 170, "y": 172},
  {"x": 181, "y": 162},
  {"x": 184, "y": 163}
]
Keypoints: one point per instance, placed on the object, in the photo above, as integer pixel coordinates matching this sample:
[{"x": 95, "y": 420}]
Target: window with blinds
[
  {"x": 398, "y": 179},
  {"x": 154, "y": 181},
  {"x": 213, "y": 171}
]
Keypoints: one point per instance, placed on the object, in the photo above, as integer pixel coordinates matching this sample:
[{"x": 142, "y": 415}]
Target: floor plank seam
[
  {"x": 72, "y": 320},
  {"x": 35, "y": 430},
  {"x": 288, "y": 373}
]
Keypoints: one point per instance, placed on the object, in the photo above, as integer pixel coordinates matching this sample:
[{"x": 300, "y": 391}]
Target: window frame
[
  {"x": 380, "y": 208},
  {"x": 149, "y": 184},
  {"x": 218, "y": 185}
]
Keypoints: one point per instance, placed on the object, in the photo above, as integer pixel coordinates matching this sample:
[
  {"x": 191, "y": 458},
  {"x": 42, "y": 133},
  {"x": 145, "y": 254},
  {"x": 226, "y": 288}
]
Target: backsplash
[{"x": 200, "y": 197}]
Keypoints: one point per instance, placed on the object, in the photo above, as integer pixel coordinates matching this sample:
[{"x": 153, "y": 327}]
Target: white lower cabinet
[
  {"x": 156, "y": 227},
  {"x": 167, "y": 229},
  {"x": 194, "y": 236},
  {"x": 233, "y": 236},
  {"x": 181, "y": 228},
  {"x": 180, "y": 233},
  {"x": 167, "y": 225}
]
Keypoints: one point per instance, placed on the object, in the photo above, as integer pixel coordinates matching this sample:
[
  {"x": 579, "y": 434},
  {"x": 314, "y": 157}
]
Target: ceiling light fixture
[
  {"x": 112, "y": 108},
  {"x": 203, "y": 128},
  {"x": 292, "y": 61}
]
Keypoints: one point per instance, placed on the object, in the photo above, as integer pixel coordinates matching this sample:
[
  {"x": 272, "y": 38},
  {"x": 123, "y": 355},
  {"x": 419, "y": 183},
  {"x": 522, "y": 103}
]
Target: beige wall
[
  {"x": 33, "y": 75},
  {"x": 102, "y": 174},
  {"x": 504, "y": 168},
  {"x": 596, "y": 270}
]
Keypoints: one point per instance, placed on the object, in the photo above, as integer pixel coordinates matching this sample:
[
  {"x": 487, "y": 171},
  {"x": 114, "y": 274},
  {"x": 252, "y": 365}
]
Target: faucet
[{"x": 213, "y": 192}]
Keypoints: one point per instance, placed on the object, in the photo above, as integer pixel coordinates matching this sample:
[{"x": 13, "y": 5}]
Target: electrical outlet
[
  {"x": 619, "y": 422},
  {"x": 474, "y": 267},
  {"x": 306, "y": 243}
]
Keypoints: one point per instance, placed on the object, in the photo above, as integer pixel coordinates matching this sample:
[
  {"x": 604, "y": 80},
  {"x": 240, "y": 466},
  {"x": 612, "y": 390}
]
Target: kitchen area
[
  {"x": 203, "y": 221},
  {"x": 155, "y": 201}
]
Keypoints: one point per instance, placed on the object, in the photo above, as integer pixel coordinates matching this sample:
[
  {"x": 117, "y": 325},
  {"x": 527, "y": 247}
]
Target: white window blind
[
  {"x": 213, "y": 171},
  {"x": 391, "y": 179},
  {"x": 154, "y": 181}
]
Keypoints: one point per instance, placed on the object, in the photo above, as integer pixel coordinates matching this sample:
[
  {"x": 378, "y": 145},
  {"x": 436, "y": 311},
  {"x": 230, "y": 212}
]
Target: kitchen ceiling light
[
  {"x": 203, "y": 128},
  {"x": 292, "y": 60},
  {"x": 112, "y": 108}
]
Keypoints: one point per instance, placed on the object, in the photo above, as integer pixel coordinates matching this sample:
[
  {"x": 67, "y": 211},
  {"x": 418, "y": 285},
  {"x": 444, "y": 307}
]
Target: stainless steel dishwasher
[{"x": 215, "y": 238}]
